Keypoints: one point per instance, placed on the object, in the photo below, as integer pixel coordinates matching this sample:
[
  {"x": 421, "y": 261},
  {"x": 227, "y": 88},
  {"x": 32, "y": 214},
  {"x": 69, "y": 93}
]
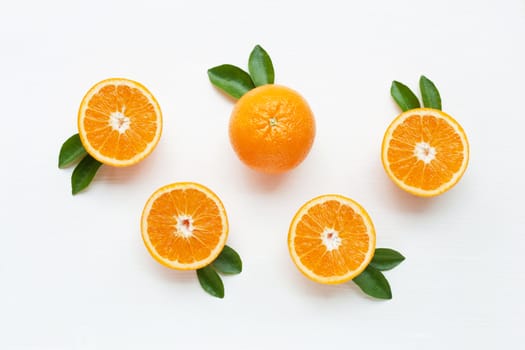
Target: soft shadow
[
  {"x": 404, "y": 200},
  {"x": 325, "y": 291},
  {"x": 225, "y": 95},
  {"x": 126, "y": 175},
  {"x": 407, "y": 201},
  {"x": 264, "y": 182},
  {"x": 167, "y": 274},
  {"x": 304, "y": 285}
]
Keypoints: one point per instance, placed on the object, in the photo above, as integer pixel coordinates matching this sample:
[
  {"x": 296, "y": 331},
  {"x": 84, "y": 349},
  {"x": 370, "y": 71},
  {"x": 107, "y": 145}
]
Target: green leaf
[
  {"x": 386, "y": 259},
  {"x": 403, "y": 96},
  {"x": 228, "y": 261},
  {"x": 231, "y": 79},
  {"x": 261, "y": 67},
  {"x": 84, "y": 173},
  {"x": 373, "y": 282},
  {"x": 430, "y": 93},
  {"x": 71, "y": 151},
  {"x": 211, "y": 281}
]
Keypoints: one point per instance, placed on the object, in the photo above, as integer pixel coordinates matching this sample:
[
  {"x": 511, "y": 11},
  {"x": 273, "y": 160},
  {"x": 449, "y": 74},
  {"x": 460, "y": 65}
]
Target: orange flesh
[
  {"x": 168, "y": 241},
  {"x": 438, "y": 134},
  {"x": 351, "y": 230},
  {"x": 131, "y": 103}
]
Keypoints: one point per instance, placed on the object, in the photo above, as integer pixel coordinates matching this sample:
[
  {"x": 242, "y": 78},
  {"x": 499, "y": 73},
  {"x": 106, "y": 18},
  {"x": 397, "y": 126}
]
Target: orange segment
[
  {"x": 425, "y": 151},
  {"x": 331, "y": 239},
  {"x": 119, "y": 122},
  {"x": 184, "y": 226}
]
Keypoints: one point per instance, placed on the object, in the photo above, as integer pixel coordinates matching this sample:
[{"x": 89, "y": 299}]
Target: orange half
[
  {"x": 184, "y": 226},
  {"x": 119, "y": 122},
  {"x": 425, "y": 151},
  {"x": 331, "y": 239}
]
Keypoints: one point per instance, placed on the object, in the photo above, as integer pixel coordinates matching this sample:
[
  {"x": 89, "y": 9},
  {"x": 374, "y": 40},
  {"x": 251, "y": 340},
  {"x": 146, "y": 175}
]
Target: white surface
[{"x": 74, "y": 273}]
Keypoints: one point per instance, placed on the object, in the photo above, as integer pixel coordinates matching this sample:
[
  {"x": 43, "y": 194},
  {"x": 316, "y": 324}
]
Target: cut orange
[
  {"x": 184, "y": 226},
  {"x": 331, "y": 239},
  {"x": 272, "y": 129},
  {"x": 425, "y": 151},
  {"x": 119, "y": 122}
]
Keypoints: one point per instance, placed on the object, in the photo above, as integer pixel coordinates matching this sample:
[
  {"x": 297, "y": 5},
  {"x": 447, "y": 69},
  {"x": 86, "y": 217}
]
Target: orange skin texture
[{"x": 272, "y": 129}]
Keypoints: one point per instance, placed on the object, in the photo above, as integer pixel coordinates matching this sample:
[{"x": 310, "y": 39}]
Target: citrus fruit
[
  {"x": 184, "y": 226},
  {"x": 119, "y": 122},
  {"x": 272, "y": 129},
  {"x": 331, "y": 239},
  {"x": 425, "y": 151}
]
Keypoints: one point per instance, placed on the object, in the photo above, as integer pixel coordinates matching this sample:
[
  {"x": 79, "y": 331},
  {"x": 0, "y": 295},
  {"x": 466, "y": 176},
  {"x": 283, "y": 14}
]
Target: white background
[{"x": 74, "y": 273}]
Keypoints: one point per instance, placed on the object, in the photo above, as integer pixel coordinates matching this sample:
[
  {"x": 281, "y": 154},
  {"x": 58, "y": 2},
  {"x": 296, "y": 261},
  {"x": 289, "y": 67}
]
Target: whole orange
[{"x": 272, "y": 129}]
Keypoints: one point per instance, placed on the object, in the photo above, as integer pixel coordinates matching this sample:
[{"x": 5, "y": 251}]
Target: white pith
[
  {"x": 185, "y": 226},
  {"x": 423, "y": 151},
  {"x": 331, "y": 239},
  {"x": 119, "y": 122}
]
